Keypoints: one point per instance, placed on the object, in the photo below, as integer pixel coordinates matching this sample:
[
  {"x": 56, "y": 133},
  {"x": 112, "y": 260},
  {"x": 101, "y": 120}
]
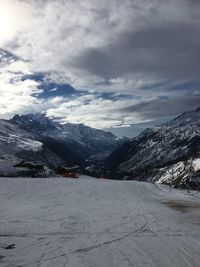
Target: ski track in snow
[{"x": 97, "y": 223}]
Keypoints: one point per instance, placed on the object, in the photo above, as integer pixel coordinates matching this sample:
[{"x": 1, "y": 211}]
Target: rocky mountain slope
[
  {"x": 166, "y": 154},
  {"x": 36, "y": 138},
  {"x": 84, "y": 140}
]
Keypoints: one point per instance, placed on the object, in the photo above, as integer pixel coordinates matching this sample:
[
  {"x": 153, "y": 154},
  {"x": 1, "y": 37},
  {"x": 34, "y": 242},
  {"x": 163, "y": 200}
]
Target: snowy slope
[
  {"x": 98, "y": 223},
  {"x": 17, "y": 144},
  {"x": 183, "y": 174},
  {"x": 159, "y": 147}
]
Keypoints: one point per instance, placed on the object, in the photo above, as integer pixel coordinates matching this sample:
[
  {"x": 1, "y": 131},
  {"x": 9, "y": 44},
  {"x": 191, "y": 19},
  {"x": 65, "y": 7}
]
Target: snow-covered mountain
[
  {"x": 36, "y": 138},
  {"x": 166, "y": 154},
  {"x": 83, "y": 139},
  {"x": 17, "y": 144}
]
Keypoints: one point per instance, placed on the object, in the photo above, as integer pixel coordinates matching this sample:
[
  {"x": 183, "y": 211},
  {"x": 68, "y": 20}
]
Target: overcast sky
[{"x": 110, "y": 64}]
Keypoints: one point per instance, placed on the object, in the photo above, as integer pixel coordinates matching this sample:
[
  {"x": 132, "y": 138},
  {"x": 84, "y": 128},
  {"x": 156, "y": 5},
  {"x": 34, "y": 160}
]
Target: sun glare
[{"x": 6, "y": 21}]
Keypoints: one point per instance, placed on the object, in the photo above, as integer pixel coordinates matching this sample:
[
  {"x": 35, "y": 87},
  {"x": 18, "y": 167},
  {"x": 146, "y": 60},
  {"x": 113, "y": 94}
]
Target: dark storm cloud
[
  {"x": 167, "y": 107},
  {"x": 169, "y": 51}
]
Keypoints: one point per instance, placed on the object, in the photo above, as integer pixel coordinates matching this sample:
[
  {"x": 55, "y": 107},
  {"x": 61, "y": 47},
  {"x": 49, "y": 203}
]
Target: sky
[{"x": 116, "y": 65}]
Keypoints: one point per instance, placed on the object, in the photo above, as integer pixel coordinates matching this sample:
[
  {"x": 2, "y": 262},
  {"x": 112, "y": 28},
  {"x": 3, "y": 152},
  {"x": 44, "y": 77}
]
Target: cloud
[
  {"x": 14, "y": 16},
  {"x": 16, "y": 95},
  {"x": 94, "y": 41},
  {"x": 49, "y": 88},
  {"x": 166, "y": 107},
  {"x": 94, "y": 111},
  {"x": 165, "y": 51}
]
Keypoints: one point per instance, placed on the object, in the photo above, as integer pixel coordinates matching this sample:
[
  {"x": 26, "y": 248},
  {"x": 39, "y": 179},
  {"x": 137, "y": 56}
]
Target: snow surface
[
  {"x": 180, "y": 173},
  {"x": 196, "y": 164},
  {"x": 98, "y": 223},
  {"x": 171, "y": 173}
]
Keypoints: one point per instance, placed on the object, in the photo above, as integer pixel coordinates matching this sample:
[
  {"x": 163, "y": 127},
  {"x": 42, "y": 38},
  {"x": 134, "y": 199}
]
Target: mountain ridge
[{"x": 147, "y": 156}]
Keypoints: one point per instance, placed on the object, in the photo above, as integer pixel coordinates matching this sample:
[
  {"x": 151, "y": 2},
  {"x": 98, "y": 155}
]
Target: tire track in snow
[{"x": 89, "y": 248}]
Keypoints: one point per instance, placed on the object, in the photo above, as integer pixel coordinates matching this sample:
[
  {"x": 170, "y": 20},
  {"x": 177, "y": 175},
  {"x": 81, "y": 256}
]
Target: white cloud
[
  {"x": 14, "y": 15},
  {"x": 16, "y": 95},
  {"x": 94, "y": 111}
]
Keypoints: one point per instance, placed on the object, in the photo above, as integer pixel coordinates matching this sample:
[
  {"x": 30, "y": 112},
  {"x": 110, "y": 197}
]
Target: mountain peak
[
  {"x": 186, "y": 118},
  {"x": 36, "y": 122},
  {"x": 35, "y": 116}
]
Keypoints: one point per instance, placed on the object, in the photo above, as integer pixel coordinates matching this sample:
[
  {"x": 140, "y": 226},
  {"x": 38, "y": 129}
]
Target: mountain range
[{"x": 36, "y": 138}]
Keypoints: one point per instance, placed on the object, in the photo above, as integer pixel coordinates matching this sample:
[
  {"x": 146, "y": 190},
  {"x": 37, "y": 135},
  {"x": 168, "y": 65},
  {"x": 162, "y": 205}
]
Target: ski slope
[{"x": 97, "y": 223}]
